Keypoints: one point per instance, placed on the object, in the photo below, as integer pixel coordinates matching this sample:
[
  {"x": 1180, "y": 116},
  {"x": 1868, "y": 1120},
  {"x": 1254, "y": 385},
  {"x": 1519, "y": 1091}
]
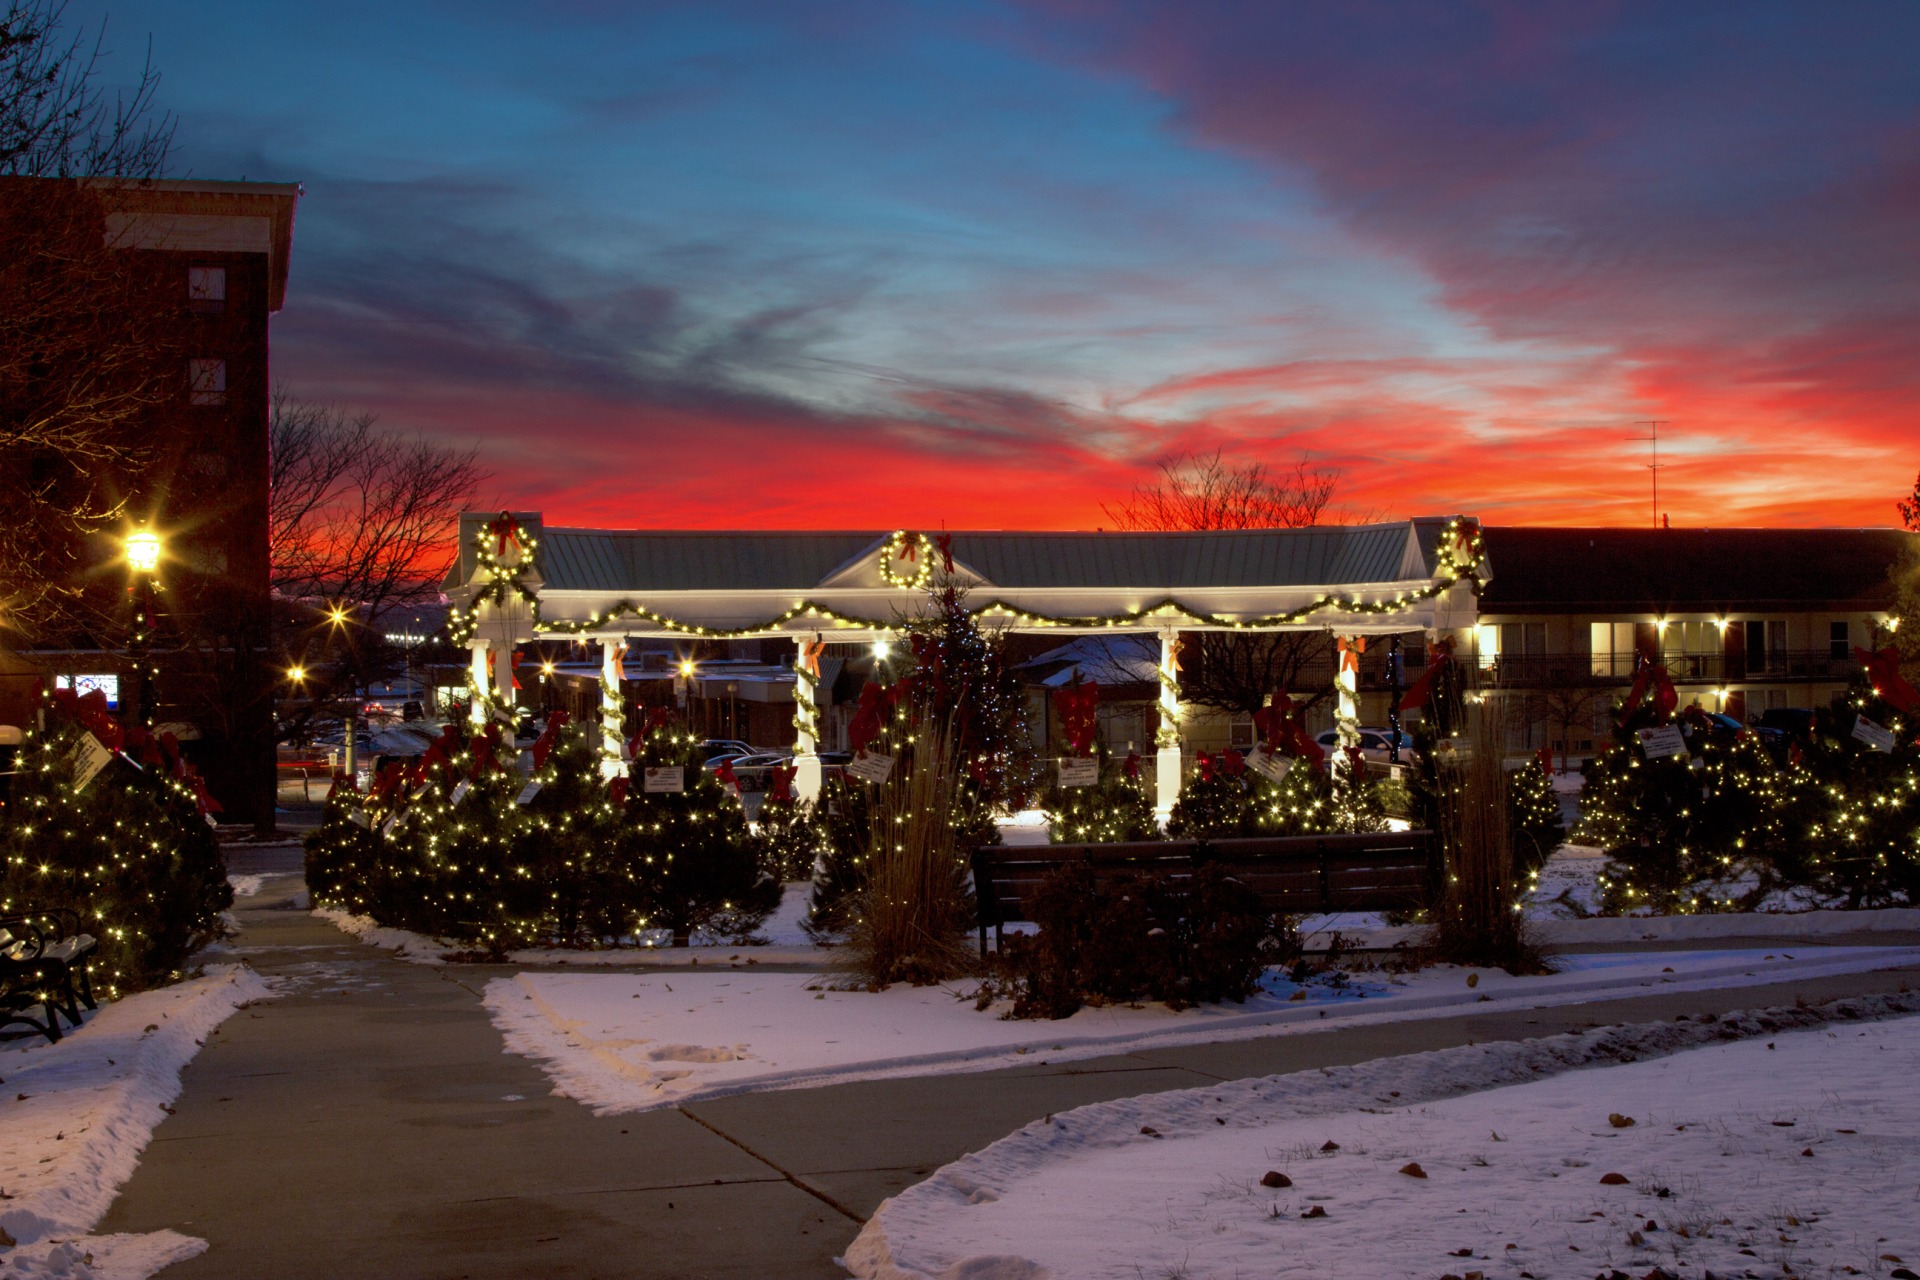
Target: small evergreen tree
[
  {"x": 1216, "y": 800},
  {"x": 690, "y": 850},
  {"x": 1535, "y": 827},
  {"x": 567, "y": 880},
  {"x": 1117, "y": 809}
]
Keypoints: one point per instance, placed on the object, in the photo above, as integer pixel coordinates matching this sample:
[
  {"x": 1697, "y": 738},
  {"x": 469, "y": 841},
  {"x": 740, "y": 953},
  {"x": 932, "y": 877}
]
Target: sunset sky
[{"x": 876, "y": 265}]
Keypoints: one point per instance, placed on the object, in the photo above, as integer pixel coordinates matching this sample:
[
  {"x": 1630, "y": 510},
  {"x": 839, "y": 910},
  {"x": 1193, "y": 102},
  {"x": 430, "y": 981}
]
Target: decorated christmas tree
[
  {"x": 567, "y": 879},
  {"x": 1216, "y": 801},
  {"x": 1863, "y": 769},
  {"x": 1535, "y": 827},
  {"x": 112, "y": 825},
  {"x": 684, "y": 838},
  {"x": 1117, "y": 808},
  {"x": 788, "y": 834}
]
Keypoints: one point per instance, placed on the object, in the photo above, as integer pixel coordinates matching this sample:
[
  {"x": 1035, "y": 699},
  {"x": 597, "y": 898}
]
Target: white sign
[
  {"x": 871, "y": 767},
  {"x": 1079, "y": 771},
  {"x": 1661, "y": 743},
  {"x": 664, "y": 778},
  {"x": 359, "y": 818},
  {"x": 460, "y": 792},
  {"x": 527, "y": 792},
  {"x": 420, "y": 792},
  {"x": 1877, "y": 736},
  {"x": 1268, "y": 765},
  {"x": 90, "y": 756},
  {"x": 386, "y": 828}
]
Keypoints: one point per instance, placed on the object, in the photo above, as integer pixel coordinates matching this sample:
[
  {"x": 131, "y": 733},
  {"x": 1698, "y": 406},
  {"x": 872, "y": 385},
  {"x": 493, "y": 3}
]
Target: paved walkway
[{"x": 368, "y": 1124}]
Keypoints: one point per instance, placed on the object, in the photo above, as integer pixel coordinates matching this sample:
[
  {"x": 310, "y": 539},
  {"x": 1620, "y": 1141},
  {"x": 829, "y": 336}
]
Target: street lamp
[{"x": 142, "y": 549}]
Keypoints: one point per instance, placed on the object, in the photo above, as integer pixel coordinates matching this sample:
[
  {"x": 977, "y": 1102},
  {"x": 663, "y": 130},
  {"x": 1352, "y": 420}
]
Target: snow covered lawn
[
  {"x": 1788, "y": 1153},
  {"x": 622, "y": 1042},
  {"x": 75, "y": 1116}
]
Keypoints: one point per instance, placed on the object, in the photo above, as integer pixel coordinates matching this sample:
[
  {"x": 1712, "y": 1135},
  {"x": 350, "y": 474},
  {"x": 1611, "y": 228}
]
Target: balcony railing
[{"x": 1561, "y": 668}]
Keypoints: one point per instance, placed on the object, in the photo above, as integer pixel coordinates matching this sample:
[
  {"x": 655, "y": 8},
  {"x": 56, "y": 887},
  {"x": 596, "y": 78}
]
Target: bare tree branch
[{"x": 1207, "y": 492}]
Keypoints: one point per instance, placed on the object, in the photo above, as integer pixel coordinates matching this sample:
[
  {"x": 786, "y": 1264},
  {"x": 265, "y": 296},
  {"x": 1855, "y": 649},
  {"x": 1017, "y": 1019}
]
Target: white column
[
  {"x": 1346, "y": 688},
  {"x": 1167, "y": 771},
  {"x": 806, "y": 720},
  {"x": 613, "y": 742},
  {"x": 505, "y": 697},
  {"x": 482, "y": 690}
]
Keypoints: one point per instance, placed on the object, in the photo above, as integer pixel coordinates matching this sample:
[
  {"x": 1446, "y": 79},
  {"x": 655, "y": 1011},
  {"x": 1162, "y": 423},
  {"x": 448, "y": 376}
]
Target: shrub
[{"x": 1152, "y": 936}]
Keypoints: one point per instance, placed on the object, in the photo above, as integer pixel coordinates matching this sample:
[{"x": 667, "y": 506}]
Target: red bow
[
  {"x": 945, "y": 543},
  {"x": 482, "y": 749},
  {"x": 344, "y": 781},
  {"x": 909, "y": 546},
  {"x": 1883, "y": 669},
  {"x": 506, "y": 533},
  {"x": 90, "y": 710},
  {"x": 1545, "y": 756},
  {"x": 1079, "y": 715},
  {"x": 617, "y": 790},
  {"x": 391, "y": 775},
  {"x": 1205, "y": 761},
  {"x": 1280, "y": 730},
  {"x": 1133, "y": 765},
  {"x": 726, "y": 776},
  {"x": 1653, "y": 677},
  {"x": 1233, "y": 763},
  {"x": 1417, "y": 693},
  {"x": 440, "y": 749},
  {"x": 207, "y": 804},
  {"x": 780, "y": 784},
  {"x": 513, "y": 667},
  {"x": 868, "y": 717},
  {"x": 543, "y": 745}
]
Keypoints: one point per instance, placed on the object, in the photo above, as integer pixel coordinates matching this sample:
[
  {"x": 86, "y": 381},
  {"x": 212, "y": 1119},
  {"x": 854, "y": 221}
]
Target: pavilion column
[
  {"x": 1346, "y": 688},
  {"x": 806, "y": 719},
  {"x": 482, "y": 683},
  {"x": 1167, "y": 771},
  {"x": 613, "y": 741},
  {"x": 504, "y": 694}
]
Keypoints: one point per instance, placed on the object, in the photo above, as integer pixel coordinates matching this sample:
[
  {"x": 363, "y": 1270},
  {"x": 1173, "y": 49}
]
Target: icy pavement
[
  {"x": 1788, "y": 1153},
  {"x": 76, "y": 1115},
  {"x": 622, "y": 1042}
]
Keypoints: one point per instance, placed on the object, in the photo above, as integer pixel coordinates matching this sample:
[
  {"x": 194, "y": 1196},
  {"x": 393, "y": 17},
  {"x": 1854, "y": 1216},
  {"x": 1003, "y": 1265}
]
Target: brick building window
[
  {"x": 1839, "y": 648},
  {"x": 207, "y": 381},
  {"x": 207, "y": 289}
]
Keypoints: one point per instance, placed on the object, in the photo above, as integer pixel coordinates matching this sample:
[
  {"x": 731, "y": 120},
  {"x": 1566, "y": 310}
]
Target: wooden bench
[
  {"x": 1005, "y": 877},
  {"x": 48, "y": 953},
  {"x": 1293, "y": 875}
]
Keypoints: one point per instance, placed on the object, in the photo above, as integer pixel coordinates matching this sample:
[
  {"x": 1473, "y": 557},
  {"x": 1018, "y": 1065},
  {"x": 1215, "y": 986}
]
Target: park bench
[
  {"x": 1293, "y": 875},
  {"x": 49, "y": 952}
]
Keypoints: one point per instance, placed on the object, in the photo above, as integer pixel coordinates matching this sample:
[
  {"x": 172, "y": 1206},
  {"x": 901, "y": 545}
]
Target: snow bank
[
  {"x": 90, "y": 1103},
  {"x": 1787, "y": 1152},
  {"x": 633, "y": 1042}
]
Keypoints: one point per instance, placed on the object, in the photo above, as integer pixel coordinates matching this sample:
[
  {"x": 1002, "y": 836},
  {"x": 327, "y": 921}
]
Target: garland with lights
[
  {"x": 502, "y": 580},
  {"x": 130, "y": 851}
]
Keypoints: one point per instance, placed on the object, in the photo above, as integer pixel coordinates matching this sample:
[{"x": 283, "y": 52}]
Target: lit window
[
  {"x": 108, "y": 684},
  {"x": 207, "y": 381}
]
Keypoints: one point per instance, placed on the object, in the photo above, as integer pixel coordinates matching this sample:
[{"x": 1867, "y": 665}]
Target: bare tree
[
  {"x": 90, "y": 338},
  {"x": 1207, "y": 492},
  {"x": 1236, "y": 671},
  {"x": 362, "y": 522}
]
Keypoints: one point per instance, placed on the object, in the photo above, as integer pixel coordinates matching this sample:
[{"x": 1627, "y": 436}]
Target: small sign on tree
[
  {"x": 1876, "y": 736},
  {"x": 662, "y": 779},
  {"x": 1079, "y": 771},
  {"x": 871, "y": 766},
  {"x": 1662, "y": 743}
]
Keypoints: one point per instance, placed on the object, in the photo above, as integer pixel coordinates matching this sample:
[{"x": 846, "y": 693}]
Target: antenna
[{"x": 1653, "y": 465}]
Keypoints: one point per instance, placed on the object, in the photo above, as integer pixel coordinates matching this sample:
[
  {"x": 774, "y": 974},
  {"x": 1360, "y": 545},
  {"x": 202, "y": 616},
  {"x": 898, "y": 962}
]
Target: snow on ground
[
  {"x": 632, "y": 1042},
  {"x": 780, "y": 940},
  {"x": 1787, "y": 1153},
  {"x": 77, "y": 1115},
  {"x": 245, "y": 886}
]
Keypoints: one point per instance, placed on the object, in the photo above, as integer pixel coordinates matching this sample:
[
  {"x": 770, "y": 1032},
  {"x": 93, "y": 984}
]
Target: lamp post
[{"x": 142, "y": 548}]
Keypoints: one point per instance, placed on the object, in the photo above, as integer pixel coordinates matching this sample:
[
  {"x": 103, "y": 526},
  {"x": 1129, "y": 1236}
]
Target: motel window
[
  {"x": 1767, "y": 645},
  {"x": 207, "y": 289},
  {"x": 1838, "y": 645},
  {"x": 1613, "y": 648},
  {"x": 207, "y": 381}
]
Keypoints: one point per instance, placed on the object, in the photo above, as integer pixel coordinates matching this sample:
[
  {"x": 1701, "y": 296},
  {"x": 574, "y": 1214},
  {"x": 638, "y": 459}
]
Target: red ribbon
[
  {"x": 1416, "y": 694},
  {"x": 543, "y": 745},
  {"x": 1133, "y": 765},
  {"x": 391, "y": 775},
  {"x": 1545, "y": 756},
  {"x": 1280, "y": 730},
  {"x": 868, "y": 717},
  {"x": 1205, "y": 761},
  {"x": 1883, "y": 669},
  {"x": 482, "y": 748},
  {"x": 208, "y": 805},
  {"x": 617, "y": 790},
  {"x": 945, "y": 543},
  {"x": 780, "y": 784},
  {"x": 726, "y": 776},
  {"x": 90, "y": 711},
  {"x": 1233, "y": 763}
]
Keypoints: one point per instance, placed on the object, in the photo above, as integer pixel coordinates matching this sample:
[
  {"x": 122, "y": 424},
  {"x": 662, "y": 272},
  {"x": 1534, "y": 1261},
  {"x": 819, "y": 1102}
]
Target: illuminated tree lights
[
  {"x": 130, "y": 851},
  {"x": 462, "y": 845}
]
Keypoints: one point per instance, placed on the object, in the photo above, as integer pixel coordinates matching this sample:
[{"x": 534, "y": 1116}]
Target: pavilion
[{"x": 517, "y": 579}]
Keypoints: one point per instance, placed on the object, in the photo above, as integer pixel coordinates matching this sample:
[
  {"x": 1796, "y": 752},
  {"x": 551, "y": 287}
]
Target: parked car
[
  {"x": 1374, "y": 744},
  {"x": 714, "y": 750}
]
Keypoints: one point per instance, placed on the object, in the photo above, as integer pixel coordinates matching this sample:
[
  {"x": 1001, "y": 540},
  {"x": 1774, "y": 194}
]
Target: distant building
[
  {"x": 226, "y": 247},
  {"x": 1745, "y": 620}
]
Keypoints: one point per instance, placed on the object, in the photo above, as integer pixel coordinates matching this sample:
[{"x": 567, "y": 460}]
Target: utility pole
[{"x": 1653, "y": 465}]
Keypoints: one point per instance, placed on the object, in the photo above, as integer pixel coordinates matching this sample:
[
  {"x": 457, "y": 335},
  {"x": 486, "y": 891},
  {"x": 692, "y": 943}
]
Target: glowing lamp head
[
  {"x": 296, "y": 674},
  {"x": 336, "y": 615},
  {"x": 686, "y": 667},
  {"x": 881, "y": 649},
  {"x": 546, "y": 668},
  {"x": 143, "y": 550}
]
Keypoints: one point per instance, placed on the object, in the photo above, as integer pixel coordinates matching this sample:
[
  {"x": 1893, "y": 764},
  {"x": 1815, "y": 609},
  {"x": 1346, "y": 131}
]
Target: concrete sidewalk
[{"x": 368, "y": 1124}]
